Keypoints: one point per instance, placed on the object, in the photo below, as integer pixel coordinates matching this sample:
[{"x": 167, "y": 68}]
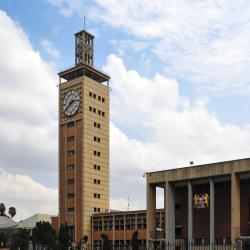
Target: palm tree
[
  {"x": 12, "y": 212},
  {"x": 2, "y": 209}
]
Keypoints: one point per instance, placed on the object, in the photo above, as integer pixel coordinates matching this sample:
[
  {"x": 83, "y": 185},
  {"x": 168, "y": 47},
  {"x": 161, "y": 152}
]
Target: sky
[{"x": 180, "y": 88}]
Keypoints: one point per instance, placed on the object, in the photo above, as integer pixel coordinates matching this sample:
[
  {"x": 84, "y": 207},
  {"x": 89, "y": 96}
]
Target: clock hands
[{"x": 70, "y": 104}]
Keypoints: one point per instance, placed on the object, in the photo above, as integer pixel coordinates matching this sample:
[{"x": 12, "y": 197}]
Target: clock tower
[{"x": 83, "y": 140}]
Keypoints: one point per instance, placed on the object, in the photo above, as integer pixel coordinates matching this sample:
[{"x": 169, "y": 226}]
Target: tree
[
  {"x": 3, "y": 239},
  {"x": 20, "y": 240},
  {"x": 2, "y": 209},
  {"x": 134, "y": 241},
  {"x": 12, "y": 212},
  {"x": 44, "y": 235},
  {"x": 105, "y": 242},
  {"x": 64, "y": 237}
]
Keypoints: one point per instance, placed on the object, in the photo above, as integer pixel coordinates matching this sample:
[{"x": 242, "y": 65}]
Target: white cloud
[
  {"x": 49, "y": 48},
  {"x": 162, "y": 130},
  {"x": 204, "y": 42},
  {"x": 68, "y": 7},
  {"x": 29, "y": 197},
  {"x": 123, "y": 46},
  {"x": 123, "y": 204},
  {"x": 28, "y": 113}
]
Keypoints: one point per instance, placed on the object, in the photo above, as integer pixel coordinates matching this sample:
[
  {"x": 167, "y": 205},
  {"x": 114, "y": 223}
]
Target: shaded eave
[{"x": 84, "y": 70}]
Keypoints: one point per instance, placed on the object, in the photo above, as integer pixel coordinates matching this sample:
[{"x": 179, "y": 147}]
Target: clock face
[{"x": 71, "y": 103}]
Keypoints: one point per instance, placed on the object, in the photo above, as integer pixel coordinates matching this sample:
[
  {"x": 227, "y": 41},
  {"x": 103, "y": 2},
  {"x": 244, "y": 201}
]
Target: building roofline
[
  {"x": 126, "y": 212},
  {"x": 200, "y": 165},
  {"x": 81, "y": 31}
]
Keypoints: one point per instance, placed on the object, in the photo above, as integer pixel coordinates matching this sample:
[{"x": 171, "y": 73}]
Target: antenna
[{"x": 128, "y": 203}]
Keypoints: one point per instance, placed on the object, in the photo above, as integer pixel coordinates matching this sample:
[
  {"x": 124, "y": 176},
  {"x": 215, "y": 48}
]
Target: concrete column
[
  {"x": 211, "y": 212},
  {"x": 190, "y": 215},
  {"x": 169, "y": 208},
  {"x": 151, "y": 209},
  {"x": 235, "y": 207}
]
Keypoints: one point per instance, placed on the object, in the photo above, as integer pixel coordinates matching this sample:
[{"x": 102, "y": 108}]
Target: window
[
  {"x": 94, "y": 95},
  {"x": 71, "y": 209},
  {"x": 97, "y": 224},
  {"x": 97, "y": 195},
  {"x": 108, "y": 225},
  {"x": 97, "y": 167},
  {"x": 97, "y": 181},
  {"x": 71, "y": 152},
  {"x": 70, "y": 124},
  {"x": 94, "y": 110},
  {"x": 90, "y": 108},
  {"x": 97, "y": 153},
  {"x": 99, "y": 112},
  {"x": 97, "y": 125},
  {"x": 103, "y": 99},
  {"x": 70, "y": 181},
  {"x": 103, "y": 114},
  {"x": 70, "y": 138},
  {"x": 97, "y": 139},
  {"x": 70, "y": 167},
  {"x": 99, "y": 98},
  {"x": 90, "y": 94},
  {"x": 70, "y": 195}
]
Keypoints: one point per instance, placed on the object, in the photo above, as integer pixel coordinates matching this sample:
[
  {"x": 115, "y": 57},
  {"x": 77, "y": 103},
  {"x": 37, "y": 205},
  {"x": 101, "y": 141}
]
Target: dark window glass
[
  {"x": 71, "y": 209},
  {"x": 70, "y": 138},
  {"x": 71, "y": 152},
  {"x": 70, "y": 124},
  {"x": 70, "y": 167},
  {"x": 70, "y": 181},
  {"x": 70, "y": 195}
]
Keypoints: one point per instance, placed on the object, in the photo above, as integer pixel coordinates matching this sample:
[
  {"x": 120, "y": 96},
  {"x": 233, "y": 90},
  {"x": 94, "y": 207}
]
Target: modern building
[
  {"x": 83, "y": 140},
  {"x": 119, "y": 226},
  {"x": 208, "y": 202}
]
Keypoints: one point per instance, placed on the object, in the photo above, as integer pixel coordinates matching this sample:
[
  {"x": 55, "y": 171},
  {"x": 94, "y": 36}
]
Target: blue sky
[
  {"x": 43, "y": 20},
  {"x": 180, "y": 88}
]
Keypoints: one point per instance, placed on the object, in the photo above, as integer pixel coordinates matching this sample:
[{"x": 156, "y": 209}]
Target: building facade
[
  {"x": 208, "y": 203},
  {"x": 83, "y": 140}
]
